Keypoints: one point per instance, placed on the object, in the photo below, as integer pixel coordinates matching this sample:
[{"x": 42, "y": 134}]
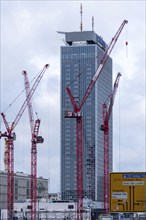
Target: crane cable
[
  {"x": 119, "y": 131},
  {"x": 126, "y": 41},
  {"x": 0, "y": 120},
  {"x": 15, "y": 99}
]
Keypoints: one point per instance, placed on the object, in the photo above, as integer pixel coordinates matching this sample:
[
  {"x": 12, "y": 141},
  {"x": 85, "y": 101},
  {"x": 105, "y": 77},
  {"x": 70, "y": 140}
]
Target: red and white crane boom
[
  {"x": 22, "y": 109},
  {"x": 106, "y": 113},
  {"x": 10, "y": 135},
  {"x": 29, "y": 102},
  {"x": 112, "y": 98},
  {"x": 76, "y": 114}
]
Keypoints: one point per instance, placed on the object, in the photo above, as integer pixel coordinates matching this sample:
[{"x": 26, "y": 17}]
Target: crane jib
[{"x": 97, "y": 72}]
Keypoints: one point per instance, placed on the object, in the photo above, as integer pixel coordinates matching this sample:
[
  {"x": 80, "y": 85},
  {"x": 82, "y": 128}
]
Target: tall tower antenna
[
  {"x": 81, "y": 12},
  {"x": 92, "y": 23}
]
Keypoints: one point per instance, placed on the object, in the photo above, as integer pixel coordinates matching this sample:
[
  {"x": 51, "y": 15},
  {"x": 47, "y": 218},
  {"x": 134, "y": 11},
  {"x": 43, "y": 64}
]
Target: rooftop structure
[{"x": 84, "y": 37}]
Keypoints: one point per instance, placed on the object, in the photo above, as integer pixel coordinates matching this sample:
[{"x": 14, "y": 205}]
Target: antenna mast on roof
[
  {"x": 92, "y": 23},
  {"x": 81, "y": 12}
]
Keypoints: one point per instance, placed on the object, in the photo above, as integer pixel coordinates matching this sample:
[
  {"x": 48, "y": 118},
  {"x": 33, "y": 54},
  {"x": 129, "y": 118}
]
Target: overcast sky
[{"x": 29, "y": 40}]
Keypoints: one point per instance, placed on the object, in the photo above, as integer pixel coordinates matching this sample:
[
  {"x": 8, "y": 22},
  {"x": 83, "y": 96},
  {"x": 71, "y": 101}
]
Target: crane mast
[
  {"x": 34, "y": 126},
  {"x": 78, "y": 115},
  {"x": 106, "y": 113},
  {"x": 10, "y": 137}
]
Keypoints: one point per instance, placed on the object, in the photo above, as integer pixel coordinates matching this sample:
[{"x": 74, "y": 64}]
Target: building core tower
[{"x": 80, "y": 57}]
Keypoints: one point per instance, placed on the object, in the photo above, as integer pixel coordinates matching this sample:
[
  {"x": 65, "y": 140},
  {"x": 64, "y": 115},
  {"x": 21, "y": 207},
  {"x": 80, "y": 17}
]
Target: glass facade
[{"x": 79, "y": 61}]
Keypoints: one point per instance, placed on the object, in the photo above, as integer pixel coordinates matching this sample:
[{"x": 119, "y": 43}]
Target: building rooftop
[{"x": 84, "y": 37}]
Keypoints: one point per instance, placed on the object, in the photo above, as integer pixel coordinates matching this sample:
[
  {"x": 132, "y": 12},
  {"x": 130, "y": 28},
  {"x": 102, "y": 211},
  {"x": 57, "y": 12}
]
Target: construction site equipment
[
  {"x": 35, "y": 139},
  {"x": 106, "y": 113},
  {"x": 78, "y": 115},
  {"x": 10, "y": 135}
]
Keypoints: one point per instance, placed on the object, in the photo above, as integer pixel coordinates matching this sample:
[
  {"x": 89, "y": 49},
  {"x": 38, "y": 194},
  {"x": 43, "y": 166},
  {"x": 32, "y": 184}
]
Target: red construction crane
[
  {"x": 11, "y": 136},
  {"x": 106, "y": 113},
  {"x": 78, "y": 115},
  {"x": 35, "y": 139}
]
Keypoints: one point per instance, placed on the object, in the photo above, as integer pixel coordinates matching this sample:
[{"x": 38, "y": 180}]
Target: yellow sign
[{"x": 128, "y": 192}]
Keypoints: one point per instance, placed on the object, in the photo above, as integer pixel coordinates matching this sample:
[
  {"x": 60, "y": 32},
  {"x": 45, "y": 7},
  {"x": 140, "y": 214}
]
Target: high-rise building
[{"x": 80, "y": 57}]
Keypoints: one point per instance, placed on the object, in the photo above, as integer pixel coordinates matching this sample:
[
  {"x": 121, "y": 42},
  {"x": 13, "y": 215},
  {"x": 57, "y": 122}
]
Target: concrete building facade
[
  {"x": 79, "y": 59},
  {"x": 21, "y": 188}
]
